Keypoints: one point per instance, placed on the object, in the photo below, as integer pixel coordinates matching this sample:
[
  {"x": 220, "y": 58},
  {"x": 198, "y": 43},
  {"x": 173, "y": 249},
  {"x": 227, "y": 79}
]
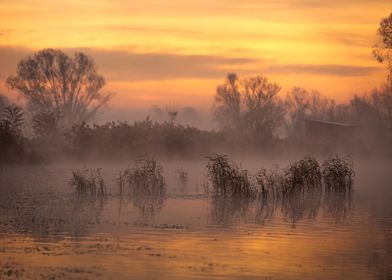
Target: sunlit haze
[{"x": 177, "y": 51}]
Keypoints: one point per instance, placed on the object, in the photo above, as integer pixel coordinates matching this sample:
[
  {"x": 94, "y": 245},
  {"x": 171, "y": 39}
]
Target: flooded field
[{"x": 49, "y": 232}]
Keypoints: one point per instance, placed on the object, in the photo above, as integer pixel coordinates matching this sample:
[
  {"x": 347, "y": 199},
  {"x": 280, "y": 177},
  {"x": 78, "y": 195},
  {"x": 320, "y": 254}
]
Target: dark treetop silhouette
[{"x": 53, "y": 82}]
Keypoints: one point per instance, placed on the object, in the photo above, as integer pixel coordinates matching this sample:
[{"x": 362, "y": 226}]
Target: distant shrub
[
  {"x": 89, "y": 182},
  {"x": 338, "y": 174},
  {"x": 121, "y": 139}
]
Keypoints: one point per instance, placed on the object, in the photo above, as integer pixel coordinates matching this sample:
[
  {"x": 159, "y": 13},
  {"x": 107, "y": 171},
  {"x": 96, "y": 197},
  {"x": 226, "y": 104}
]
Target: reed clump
[
  {"x": 182, "y": 176},
  {"x": 88, "y": 181},
  {"x": 269, "y": 183},
  {"x": 145, "y": 178},
  {"x": 145, "y": 184},
  {"x": 228, "y": 179},
  {"x": 305, "y": 176},
  {"x": 302, "y": 175},
  {"x": 338, "y": 174}
]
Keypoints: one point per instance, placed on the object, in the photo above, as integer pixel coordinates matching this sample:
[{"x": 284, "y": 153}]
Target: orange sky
[{"x": 178, "y": 51}]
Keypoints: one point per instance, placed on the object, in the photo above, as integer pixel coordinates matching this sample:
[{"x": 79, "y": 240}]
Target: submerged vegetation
[
  {"x": 228, "y": 179},
  {"x": 145, "y": 184},
  {"x": 304, "y": 176},
  {"x": 299, "y": 191},
  {"x": 338, "y": 174},
  {"x": 145, "y": 178},
  {"x": 88, "y": 181}
]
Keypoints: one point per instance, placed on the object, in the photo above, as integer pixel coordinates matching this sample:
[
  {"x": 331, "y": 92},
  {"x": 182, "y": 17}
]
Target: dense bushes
[{"x": 122, "y": 139}]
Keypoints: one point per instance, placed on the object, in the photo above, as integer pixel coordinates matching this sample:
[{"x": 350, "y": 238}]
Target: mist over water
[
  {"x": 46, "y": 228},
  {"x": 196, "y": 171}
]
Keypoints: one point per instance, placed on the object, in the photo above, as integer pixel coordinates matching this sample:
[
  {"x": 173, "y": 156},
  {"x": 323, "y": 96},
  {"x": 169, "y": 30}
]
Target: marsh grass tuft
[
  {"x": 228, "y": 179},
  {"x": 305, "y": 176},
  {"x": 269, "y": 183},
  {"x": 146, "y": 185},
  {"x": 89, "y": 181},
  {"x": 145, "y": 178},
  {"x": 338, "y": 174},
  {"x": 182, "y": 176},
  {"x": 302, "y": 176}
]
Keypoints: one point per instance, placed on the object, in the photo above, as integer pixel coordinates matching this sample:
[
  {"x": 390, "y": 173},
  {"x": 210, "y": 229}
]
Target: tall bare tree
[
  {"x": 228, "y": 103},
  {"x": 301, "y": 103},
  {"x": 382, "y": 99},
  {"x": 263, "y": 111},
  {"x": 383, "y": 49},
  {"x": 53, "y": 82},
  {"x": 249, "y": 105}
]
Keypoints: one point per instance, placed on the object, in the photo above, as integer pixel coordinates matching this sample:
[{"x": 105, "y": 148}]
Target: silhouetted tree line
[
  {"x": 251, "y": 110},
  {"x": 63, "y": 93}
]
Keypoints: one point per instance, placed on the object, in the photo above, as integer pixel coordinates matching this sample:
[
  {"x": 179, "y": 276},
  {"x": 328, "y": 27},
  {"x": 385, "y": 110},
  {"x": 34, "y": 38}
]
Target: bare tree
[
  {"x": 382, "y": 98},
  {"x": 263, "y": 111},
  {"x": 228, "y": 103},
  {"x": 249, "y": 105},
  {"x": 51, "y": 82},
  {"x": 383, "y": 49},
  {"x": 301, "y": 103}
]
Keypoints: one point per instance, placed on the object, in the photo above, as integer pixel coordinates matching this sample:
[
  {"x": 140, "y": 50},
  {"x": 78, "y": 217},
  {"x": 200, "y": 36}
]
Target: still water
[{"x": 46, "y": 232}]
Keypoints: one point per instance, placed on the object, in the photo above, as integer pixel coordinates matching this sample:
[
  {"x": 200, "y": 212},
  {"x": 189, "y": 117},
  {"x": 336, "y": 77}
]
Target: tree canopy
[
  {"x": 383, "y": 50},
  {"x": 250, "y": 105},
  {"x": 54, "y": 83}
]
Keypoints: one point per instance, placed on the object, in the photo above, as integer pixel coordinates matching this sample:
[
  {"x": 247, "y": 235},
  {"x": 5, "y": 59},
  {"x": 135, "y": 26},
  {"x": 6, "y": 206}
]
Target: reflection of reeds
[
  {"x": 88, "y": 181},
  {"x": 337, "y": 204},
  {"x": 301, "y": 205},
  {"x": 223, "y": 211},
  {"x": 292, "y": 208},
  {"x": 298, "y": 191}
]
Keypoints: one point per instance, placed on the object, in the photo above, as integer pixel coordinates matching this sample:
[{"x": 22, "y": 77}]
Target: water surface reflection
[{"x": 47, "y": 232}]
